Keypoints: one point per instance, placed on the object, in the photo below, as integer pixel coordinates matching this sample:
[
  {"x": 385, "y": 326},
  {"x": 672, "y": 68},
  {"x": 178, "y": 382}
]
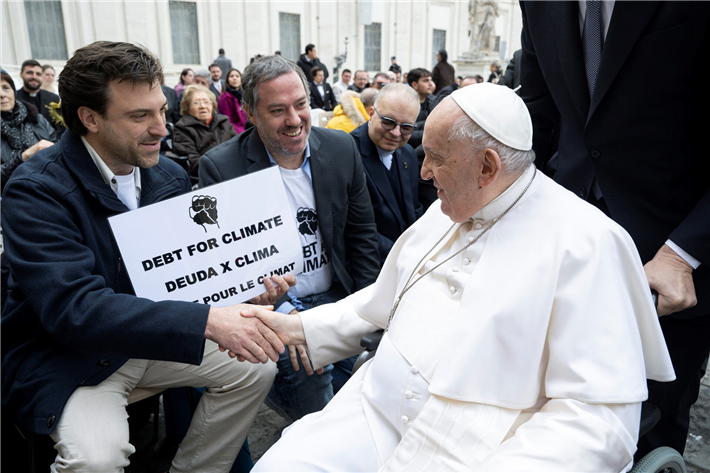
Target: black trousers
[{"x": 688, "y": 343}]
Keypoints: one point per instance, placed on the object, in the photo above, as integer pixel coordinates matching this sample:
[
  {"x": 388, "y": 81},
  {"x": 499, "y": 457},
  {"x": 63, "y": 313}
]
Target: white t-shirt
[
  {"x": 127, "y": 190},
  {"x": 317, "y": 273}
]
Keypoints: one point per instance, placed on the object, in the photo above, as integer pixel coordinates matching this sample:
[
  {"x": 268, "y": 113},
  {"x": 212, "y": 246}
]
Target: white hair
[{"x": 514, "y": 161}]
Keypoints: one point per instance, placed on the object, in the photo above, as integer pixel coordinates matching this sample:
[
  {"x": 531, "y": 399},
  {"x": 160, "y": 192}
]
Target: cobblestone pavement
[{"x": 268, "y": 426}]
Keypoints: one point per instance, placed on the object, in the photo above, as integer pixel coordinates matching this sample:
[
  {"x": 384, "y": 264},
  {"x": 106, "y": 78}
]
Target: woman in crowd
[
  {"x": 24, "y": 130},
  {"x": 200, "y": 127},
  {"x": 186, "y": 78},
  {"x": 230, "y": 101},
  {"x": 48, "y": 78}
]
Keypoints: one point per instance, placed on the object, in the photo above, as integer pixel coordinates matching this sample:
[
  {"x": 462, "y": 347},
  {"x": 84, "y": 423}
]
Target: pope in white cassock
[{"x": 523, "y": 328}]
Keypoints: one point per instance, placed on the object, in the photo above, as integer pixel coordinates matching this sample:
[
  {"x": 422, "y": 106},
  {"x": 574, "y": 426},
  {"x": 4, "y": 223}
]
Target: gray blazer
[{"x": 345, "y": 215}]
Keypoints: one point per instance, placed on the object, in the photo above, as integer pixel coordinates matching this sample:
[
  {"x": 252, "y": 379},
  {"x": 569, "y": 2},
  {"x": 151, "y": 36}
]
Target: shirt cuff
[
  {"x": 285, "y": 308},
  {"x": 683, "y": 254}
]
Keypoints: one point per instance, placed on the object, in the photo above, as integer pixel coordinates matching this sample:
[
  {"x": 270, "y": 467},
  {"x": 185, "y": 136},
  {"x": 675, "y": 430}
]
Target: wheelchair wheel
[{"x": 661, "y": 460}]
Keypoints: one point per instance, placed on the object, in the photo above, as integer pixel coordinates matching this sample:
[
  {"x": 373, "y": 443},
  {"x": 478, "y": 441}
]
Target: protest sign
[{"x": 214, "y": 245}]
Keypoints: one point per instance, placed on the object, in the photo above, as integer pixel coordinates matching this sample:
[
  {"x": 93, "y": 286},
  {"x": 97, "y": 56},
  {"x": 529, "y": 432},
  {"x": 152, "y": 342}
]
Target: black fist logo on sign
[
  {"x": 307, "y": 221},
  {"x": 204, "y": 211}
]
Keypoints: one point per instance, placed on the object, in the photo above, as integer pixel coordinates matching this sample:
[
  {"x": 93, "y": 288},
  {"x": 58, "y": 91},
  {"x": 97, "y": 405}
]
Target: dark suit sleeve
[
  {"x": 507, "y": 78},
  {"x": 361, "y": 240},
  {"x": 537, "y": 97},
  {"x": 208, "y": 172}
]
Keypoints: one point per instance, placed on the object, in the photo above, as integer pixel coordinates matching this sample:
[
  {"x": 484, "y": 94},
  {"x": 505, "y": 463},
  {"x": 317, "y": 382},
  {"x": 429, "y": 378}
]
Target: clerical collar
[
  {"x": 498, "y": 205},
  {"x": 108, "y": 176}
]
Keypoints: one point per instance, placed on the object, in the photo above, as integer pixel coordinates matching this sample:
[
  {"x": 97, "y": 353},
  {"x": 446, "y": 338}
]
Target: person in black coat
[
  {"x": 309, "y": 60},
  {"x": 327, "y": 193},
  {"x": 390, "y": 164},
  {"x": 200, "y": 128},
  {"x": 322, "y": 95},
  {"x": 24, "y": 130},
  {"x": 636, "y": 149},
  {"x": 31, "y": 91}
]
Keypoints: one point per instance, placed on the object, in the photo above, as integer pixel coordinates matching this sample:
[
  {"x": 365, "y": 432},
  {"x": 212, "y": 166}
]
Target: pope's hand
[
  {"x": 672, "y": 277},
  {"x": 249, "y": 337},
  {"x": 300, "y": 351},
  {"x": 276, "y": 286}
]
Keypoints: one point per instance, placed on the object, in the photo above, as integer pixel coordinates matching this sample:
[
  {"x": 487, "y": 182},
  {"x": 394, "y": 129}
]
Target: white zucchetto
[{"x": 499, "y": 111}]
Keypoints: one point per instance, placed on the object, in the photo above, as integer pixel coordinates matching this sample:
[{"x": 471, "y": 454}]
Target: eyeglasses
[
  {"x": 197, "y": 103},
  {"x": 389, "y": 124}
]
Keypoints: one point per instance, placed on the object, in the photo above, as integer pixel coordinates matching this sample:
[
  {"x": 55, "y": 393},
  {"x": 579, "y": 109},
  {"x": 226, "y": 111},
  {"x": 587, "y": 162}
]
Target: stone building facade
[{"x": 188, "y": 33}]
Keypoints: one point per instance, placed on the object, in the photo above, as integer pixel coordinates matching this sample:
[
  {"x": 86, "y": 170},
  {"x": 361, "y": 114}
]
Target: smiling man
[
  {"x": 521, "y": 325},
  {"x": 31, "y": 91},
  {"x": 390, "y": 163},
  {"x": 325, "y": 183},
  {"x": 77, "y": 344}
]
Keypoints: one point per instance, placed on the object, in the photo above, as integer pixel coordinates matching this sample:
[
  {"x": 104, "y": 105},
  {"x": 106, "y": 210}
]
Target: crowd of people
[{"x": 519, "y": 330}]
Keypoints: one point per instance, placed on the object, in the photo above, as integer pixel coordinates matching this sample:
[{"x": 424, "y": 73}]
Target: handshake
[{"x": 255, "y": 333}]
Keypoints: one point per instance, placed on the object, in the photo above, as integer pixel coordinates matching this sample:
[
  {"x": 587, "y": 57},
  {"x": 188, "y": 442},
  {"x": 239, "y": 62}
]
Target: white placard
[{"x": 213, "y": 245}]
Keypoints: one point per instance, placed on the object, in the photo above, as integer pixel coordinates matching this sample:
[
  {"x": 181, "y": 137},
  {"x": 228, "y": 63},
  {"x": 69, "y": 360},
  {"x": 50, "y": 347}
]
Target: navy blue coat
[
  {"x": 71, "y": 318},
  {"x": 390, "y": 220}
]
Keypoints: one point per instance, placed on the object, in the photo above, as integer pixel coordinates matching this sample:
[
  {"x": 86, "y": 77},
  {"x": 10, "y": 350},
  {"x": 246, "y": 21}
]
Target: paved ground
[{"x": 154, "y": 458}]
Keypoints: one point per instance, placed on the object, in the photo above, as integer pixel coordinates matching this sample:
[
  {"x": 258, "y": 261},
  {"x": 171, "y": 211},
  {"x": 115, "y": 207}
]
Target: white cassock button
[
  {"x": 452, "y": 289},
  {"x": 404, "y": 419},
  {"x": 414, "y": 370},
  {"x": 456, "y": 270},
  {"x": 477, "y": 226},
  {"x": 470, "y": 238},
  {"x": 409, "y": 394},
  {"x": 466, "y": 261}
]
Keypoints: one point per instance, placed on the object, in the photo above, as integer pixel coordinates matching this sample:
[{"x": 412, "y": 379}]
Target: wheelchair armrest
[
  {"x": 371, "y": 341},
  {"x": 650, "y": 415}
]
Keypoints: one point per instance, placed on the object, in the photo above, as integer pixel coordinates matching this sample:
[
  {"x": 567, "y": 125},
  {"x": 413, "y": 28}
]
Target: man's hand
[
  {"x": 247, "y": 337},
  {"x": 294, "y": 351},
  {"x": 32, "y": 150},
  {"x": 274, "y": 291},
  {"x": 672, "y": 277}
]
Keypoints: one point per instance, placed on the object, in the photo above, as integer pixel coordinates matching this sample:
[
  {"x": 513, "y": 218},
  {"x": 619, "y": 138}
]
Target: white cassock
[{"x": 529, "y": 351}]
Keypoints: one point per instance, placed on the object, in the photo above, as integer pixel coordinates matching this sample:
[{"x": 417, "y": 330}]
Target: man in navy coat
[
  {"x": 391, "y": 165},
  {"x": 637, "y": 149},
  {"x": 77, "y": 344}
]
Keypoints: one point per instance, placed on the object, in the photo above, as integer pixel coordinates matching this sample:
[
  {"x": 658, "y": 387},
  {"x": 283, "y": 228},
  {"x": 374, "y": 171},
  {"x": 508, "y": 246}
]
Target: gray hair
[
  {"x": 265, "y": 69},
  {"x": 514, "y": 161},
  {"x": 204, "y": 73},
  {"x": 402, "y": 90}
]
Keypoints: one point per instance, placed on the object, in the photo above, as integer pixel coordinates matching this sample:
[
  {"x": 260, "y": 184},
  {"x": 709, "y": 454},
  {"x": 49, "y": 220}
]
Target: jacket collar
[
  {"x": 155, "y": 182},
  {"x": 372, "y": 162},
  {"x": 627, "y": 23}
]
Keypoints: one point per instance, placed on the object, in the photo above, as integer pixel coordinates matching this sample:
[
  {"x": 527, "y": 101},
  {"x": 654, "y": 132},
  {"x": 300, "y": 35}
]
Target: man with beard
[
  {"x": 325, "y": 182},
  {"x": 31, "y": 91},
  {"x": 78, "y": 345}
]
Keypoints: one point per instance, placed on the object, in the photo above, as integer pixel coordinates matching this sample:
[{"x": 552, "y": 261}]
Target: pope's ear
[
  {"x": 490, "y": 168},
  {"x": 89, "y": 118}
]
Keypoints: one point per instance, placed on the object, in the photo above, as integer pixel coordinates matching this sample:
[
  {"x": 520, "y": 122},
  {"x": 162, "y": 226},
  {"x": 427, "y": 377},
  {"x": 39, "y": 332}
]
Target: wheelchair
[{"x": 660, "y": 460}]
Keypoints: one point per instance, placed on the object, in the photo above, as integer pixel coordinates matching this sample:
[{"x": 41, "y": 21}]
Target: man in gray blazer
[{"x": 325, "y": 183}]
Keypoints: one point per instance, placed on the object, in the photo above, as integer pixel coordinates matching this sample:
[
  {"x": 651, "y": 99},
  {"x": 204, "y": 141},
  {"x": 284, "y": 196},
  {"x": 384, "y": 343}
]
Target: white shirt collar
[
  {"x": 498, "y": 205},
  {"x": 108, "y": 175}
]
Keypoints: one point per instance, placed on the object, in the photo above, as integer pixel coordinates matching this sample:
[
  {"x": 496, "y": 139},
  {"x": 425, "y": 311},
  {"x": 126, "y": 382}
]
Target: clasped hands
[{"x": 256, "y": 334}]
